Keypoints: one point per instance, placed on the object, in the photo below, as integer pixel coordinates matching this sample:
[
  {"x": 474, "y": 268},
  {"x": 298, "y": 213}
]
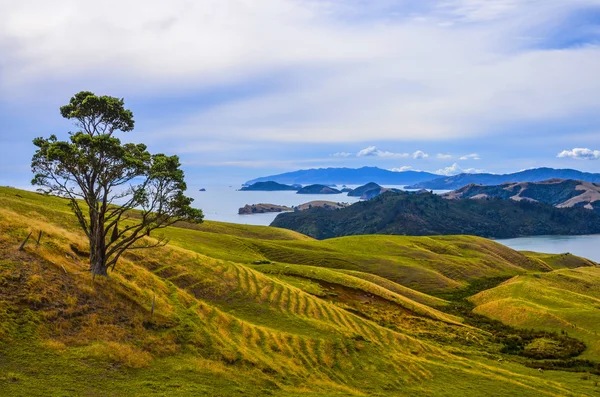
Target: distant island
[
  {"x": 351, "y": 176},
  {"x": 429, "y": 214},
  {"x": 532, "y": 175},
  {"x": 268, "y": 186},
  {"x": 557, "y": 192},
  {"x": 318, "y": 189},
  {"x": 368, "y": 191},
  {"x": 262, "y": 209},
  {"x": 269, "y": 208}
]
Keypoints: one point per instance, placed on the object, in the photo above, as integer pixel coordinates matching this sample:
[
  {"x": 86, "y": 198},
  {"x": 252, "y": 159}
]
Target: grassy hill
[
  {"x": 566, "y": 300},
  {"x": 426, "y": 214},
  {"x": 241, "y": 310}
]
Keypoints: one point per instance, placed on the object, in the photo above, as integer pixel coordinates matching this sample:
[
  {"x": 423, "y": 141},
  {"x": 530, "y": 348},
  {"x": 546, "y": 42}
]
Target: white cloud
[
  {"x": 455, "y": 169},
  {"x": 372, "y": 151},
  {"x": 402, "y": 169},
  {"x": 419, "y": 154},
  {"x": 580, "y": 154},
  {"x": 443, "y": 156},
  {"x": 344, "y": 71},
  {"x": 342, "y": 154},
  {"x": 472, "y": 156}
]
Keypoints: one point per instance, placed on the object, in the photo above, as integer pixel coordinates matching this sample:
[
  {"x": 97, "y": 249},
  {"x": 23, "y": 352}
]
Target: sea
[{"x": 222, "y": 202}]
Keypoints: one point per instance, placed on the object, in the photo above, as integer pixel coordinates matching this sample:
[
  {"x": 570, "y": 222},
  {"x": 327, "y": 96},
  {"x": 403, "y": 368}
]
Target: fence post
[{"x": 22, "y": 247}]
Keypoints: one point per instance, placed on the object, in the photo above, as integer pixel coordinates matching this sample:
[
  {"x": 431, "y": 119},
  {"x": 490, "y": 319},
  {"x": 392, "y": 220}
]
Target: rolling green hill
[
  {"x": 428, "y": 214},
  {"x": 566, "y": 300},
  {"x": 229, "y": 310}
]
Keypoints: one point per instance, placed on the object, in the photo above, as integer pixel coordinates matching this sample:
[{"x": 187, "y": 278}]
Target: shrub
[{"x": 121, "y": 354}]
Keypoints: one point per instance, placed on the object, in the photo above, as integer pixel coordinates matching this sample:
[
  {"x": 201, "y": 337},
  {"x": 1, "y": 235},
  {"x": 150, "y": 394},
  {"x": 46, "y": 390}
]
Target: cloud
[
  {"x": 342, "y": 154},
  {"x": 472, "y": 156},
  {"x": 402, "y": 169},
  {"x": 580, "y": 154},
  {"x": 310, "y": 71},
  {"x": 372, "y": 151},
  {"x": 442, "y": 156},
  {"x": 419, "y": 154},
  {"x": 455, "y": 169}
]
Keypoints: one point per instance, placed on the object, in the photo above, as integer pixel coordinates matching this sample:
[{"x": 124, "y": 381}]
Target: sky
[{"x": 247, "y": 88}]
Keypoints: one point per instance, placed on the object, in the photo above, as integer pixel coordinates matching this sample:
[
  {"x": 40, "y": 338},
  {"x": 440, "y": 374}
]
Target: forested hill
[{"x": 430, "y": 214}]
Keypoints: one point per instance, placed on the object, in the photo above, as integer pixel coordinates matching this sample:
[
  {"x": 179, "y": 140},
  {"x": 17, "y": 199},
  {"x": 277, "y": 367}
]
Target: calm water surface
[
  {"x": 586, "y": 246},
  {"x": 221, "y": 203}
]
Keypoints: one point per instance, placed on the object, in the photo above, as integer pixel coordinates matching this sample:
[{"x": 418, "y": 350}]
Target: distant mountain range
[
  {"x": 533, "y": 175},
  {"x": 350, "y": 176},
  {"x": 418, "y": 179},
  {"x": 557, "y": 192},
  {"x": 429, "y": 214}
]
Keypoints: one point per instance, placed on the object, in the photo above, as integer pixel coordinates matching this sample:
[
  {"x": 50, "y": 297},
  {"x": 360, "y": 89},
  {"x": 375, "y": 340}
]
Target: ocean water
[
  {"x": 221, "y": 203},
  {"x": 586, "y": 246}
]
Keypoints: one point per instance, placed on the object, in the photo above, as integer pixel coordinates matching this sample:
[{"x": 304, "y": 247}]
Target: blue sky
[{"x": 245, "y": 88}]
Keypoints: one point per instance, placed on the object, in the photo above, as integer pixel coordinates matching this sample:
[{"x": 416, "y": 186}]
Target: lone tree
[{"x": 119, "y": 192}]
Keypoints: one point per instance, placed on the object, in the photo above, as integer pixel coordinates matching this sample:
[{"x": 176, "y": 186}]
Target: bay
[
  {"x": 222, "y": 202},
  {"x": 587, "y": 246}
]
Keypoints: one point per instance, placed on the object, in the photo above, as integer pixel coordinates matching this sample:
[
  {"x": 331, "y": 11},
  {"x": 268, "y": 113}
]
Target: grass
[
  {"x": 559, "y": 261},
  {"x": 565, "y": 300},
  {"x": 299, "y": 326}
]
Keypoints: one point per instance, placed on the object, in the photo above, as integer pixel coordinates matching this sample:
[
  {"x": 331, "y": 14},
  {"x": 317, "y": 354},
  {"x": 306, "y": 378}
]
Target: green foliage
[
  {"x": 530, "y": 343},
  {"x": 105, "y": 180},
  {"x": 429, "y": 214},
  {"x": 98, "y": 114}
]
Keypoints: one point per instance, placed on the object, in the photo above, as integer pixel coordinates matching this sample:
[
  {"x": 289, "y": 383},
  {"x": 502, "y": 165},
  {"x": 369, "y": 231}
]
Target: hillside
[
  {"x": 566, "y": 300},
  {"x": 328, "y": 205},
  {"x": 557, "y": 192},
  {"x": 262, "y": 208},
  {"x": 268, "y": 186},
  {"x": 240, "y": 310},
  {"x": 429, "y": 214},
  {"x": 533, "y": 175},
  {"x": 349, "y": 176}
]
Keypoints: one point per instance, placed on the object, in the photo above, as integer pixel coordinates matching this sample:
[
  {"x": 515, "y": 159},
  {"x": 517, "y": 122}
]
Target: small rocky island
[
  {"x": 318, "y": 189},
  {"x": 269, "y": 186}
]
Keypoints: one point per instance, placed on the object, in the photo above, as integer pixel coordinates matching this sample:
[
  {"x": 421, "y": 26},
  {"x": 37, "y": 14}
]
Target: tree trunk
[
  {"x": 98, "y": 267},
  {"x": 98, "y": 251}
]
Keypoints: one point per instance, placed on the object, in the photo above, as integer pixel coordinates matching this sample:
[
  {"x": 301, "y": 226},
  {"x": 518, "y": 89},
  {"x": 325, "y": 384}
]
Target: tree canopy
[{"x": 119, "y": 192}]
